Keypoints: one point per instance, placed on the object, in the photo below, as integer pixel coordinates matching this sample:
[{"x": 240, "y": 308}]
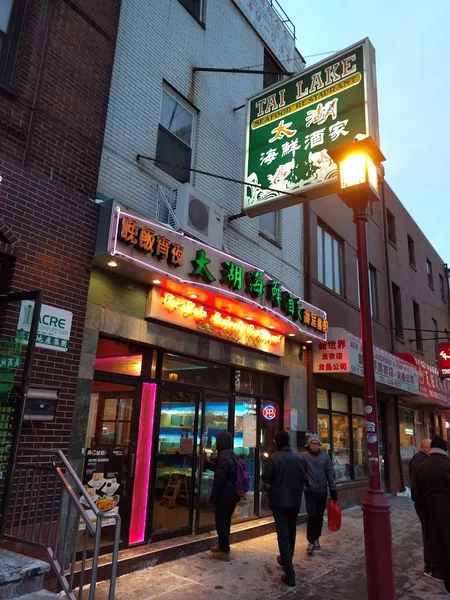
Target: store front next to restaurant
[
  {"x": 341, "y": 416},
  {"x": 171, "y": 360},
  {"x": 423, "y": 416}
]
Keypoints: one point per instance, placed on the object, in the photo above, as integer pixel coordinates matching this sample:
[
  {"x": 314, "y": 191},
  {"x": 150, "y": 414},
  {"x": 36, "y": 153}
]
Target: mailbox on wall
[{"x": 42, "y": 404}]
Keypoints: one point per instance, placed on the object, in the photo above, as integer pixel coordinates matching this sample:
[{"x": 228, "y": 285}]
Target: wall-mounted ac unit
[{"x": 199, "y": 215}]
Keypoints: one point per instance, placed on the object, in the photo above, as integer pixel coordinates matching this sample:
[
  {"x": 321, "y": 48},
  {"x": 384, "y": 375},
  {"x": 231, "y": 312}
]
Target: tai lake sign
[{"x": 292, "y": 125}]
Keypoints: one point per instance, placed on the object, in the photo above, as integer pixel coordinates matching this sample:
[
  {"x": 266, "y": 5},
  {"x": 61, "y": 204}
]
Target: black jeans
[
  {"x": 315, "y": 507},
  {"x": 286, "y": 525},
  {"x": 223, "y": 514}
]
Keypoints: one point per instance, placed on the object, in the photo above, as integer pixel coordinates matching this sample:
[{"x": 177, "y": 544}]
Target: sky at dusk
[{"x": 412, "y": 43}]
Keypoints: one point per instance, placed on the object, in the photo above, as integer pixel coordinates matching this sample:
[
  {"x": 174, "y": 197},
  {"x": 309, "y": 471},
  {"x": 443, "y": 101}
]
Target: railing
[{"x": 50, "y": 509}]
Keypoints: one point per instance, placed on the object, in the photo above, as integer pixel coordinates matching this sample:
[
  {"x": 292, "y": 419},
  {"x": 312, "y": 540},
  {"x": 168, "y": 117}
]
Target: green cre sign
[{"x": 292, "y": 125}]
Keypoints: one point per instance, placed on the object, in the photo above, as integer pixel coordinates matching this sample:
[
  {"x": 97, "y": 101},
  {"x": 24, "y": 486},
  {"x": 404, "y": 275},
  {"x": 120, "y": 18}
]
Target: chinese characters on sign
[
  {"x": 291, "y": 127},
  {"x": 187, "y": 260},
  {"x": 333, "y": 356},
  {"x": 165, "y": 306},
  {"x": 54, "y": 326}
]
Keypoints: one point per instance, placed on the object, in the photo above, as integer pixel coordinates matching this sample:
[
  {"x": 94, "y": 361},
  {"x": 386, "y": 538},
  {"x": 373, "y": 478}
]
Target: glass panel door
[
  {"x": 109, "y": 451},
  {"x": 176, "y": 462},
  {"x": 245, "y": 442},
  {"x": 270, "y": 426},
  {"x": 214, "y": 420}
]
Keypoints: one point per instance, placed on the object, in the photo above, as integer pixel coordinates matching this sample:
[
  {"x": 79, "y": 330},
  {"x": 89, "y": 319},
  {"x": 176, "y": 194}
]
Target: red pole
[{"x": 376, "y": 509}]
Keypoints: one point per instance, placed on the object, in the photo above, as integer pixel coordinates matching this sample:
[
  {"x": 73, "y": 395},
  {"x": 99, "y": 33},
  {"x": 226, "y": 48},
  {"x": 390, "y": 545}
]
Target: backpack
[{"x": 242, "y": 478}]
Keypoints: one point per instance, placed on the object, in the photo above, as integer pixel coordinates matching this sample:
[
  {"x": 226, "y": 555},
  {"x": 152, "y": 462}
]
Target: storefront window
[
  {"x": 270, "y": 419},
  {"x": 408, "y": 445},
  {"x": 342, "y": 431},
  {"x": 245, "y": 443},
  {"x": 259, "y": 384},
  {"x": 180, "y": 369},
  {"x": 341, "y": 447}
]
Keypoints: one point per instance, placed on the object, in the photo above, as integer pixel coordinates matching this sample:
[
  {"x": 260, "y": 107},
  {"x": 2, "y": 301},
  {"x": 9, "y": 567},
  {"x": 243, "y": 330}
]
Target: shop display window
[
  {"x": 257, "y": 383},
  {"x": 408, "y": 444},
  {"x": 342, "y": 430},
  {"x": 245, "y": 444},
  {"x": 180, "y": 369}
]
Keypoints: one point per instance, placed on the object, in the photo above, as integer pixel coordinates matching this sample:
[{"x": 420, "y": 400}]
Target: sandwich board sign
[{"x": 291, "y": 126}]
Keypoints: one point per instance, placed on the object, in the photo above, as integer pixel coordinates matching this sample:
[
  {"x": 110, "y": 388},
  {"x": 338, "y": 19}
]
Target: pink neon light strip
[
  {"x": 143, "y": 464},
  {"x": 131, "y": 259}
]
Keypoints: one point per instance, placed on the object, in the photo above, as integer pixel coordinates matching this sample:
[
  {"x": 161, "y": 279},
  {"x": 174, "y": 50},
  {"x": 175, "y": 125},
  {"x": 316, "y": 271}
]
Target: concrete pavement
[{"x": 337, "y": 572}]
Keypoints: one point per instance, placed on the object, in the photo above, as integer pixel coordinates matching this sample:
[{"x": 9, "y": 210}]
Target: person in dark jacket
[
  {"x": 319, "y": 478},
  {"x": 433, "y": 488},
  {"x": 414, "y": 465},
  {"x": 223, "y": 495},
  {"x": 284, "y": 474}
]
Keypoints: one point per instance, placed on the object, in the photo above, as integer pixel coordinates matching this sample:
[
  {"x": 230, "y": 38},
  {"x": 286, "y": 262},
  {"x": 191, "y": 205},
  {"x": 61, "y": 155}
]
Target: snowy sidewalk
[{"x": 335, "y": 573}]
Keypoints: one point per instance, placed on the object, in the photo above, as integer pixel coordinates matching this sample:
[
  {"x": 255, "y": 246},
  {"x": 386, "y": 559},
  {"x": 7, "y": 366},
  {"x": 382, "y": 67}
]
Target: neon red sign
[
  {"x": 269, "y": 412},
  {"x": 444, "y": 359}
]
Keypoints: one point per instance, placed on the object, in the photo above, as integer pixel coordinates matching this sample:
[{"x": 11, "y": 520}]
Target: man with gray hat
[{"x": 319, "y": 478}]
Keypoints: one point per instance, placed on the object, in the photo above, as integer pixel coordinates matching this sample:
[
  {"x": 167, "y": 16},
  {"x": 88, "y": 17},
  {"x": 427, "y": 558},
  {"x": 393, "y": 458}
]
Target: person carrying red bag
[{"x": 319, "y": 478}]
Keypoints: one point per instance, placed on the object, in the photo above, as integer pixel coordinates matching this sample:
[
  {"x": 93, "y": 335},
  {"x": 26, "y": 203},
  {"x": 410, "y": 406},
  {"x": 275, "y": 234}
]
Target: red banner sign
[{"x": 444, "y": 359}]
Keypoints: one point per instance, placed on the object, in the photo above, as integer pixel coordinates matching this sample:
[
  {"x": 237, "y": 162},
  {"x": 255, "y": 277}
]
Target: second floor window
[
  {"x": 330, "y": 252},
  {"x": 268, "y": 224},
  {"x": 430, "y": 273},
  {"x": 274, "y": 71},
  {"x": 175, "y": 137},
  {"x": 411, "y": 251},
  {"x": 398, "y": 315}
]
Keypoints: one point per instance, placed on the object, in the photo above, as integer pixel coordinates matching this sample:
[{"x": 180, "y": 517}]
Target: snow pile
[{"x": 405, "y": 494}]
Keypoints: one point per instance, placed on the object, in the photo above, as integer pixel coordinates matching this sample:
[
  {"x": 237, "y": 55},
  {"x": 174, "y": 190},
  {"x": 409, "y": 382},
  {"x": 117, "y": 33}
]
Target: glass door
[
  {"x": 270, "y": 419},
  {"x": 214, "y": 418},
  {"x": 245, "y": 444},
  {"x": 176, "y": 463},
  {"x": 109, "y": 453}
]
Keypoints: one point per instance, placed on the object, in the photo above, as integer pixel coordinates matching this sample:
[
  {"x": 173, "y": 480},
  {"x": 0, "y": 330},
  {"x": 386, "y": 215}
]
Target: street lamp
[{"x": 357, "y": 165}]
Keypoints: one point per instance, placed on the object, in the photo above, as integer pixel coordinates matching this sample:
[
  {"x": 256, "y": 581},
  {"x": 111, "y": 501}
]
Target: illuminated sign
[
  {"x": 166, "y": 253},
  {"x": 291, "y": 126},
  {"x": 444, "y": 360},
  {"x": 269, "y": 412},
  {"x": 177, "y": 310}
]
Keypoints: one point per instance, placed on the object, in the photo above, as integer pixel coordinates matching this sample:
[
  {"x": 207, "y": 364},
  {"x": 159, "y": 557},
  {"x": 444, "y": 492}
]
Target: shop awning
[
  {"x": 431, "y": 388},
  {"x": 341, "y": 357}
]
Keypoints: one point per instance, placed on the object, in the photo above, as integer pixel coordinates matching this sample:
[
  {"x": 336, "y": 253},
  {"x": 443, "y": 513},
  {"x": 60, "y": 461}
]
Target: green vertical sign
[{"x": 291, "y": 127}]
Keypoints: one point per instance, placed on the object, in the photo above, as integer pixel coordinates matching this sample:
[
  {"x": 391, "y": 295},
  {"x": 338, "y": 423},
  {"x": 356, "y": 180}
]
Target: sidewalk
[{"x": 336, "y": 573}]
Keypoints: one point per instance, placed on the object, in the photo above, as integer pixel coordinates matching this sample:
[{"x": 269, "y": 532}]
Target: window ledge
[
  {"x": 270, "y": 239},
  {"x": 6, "y": 90},
  {"x": 201, "y": 23},
  {"x": 431, "y": 286},
  {"x": 399, "y": 339},
  {"x": 413, "y": 266}
]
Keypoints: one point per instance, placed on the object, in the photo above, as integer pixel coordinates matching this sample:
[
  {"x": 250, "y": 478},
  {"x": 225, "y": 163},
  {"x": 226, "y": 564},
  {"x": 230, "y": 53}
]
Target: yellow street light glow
[
  {"x": 112, "y": 263},
  {"x": 353, "y": 170}
]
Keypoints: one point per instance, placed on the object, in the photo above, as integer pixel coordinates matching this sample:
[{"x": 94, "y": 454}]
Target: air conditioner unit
[{"x": 198, "y": 215}]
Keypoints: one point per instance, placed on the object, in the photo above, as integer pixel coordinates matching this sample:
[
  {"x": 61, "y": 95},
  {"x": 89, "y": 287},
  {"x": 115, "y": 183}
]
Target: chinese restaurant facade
[{"x": 182, "y": 341}]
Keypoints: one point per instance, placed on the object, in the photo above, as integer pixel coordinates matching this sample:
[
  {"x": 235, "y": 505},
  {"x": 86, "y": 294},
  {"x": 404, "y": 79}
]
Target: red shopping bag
[{"x": 334, "y": 516}]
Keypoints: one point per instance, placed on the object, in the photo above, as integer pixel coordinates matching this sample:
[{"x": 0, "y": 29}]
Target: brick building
[
  {"x": 55, "y": 68},
  {"x": 409, "y": 295}
]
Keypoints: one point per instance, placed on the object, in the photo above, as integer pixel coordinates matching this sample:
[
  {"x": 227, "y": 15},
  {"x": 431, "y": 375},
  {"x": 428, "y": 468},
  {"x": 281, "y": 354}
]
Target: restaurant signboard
[
  {"x": 165, "y": 255},
  {"x": 431, "y": 386},
  {"x": 444, "y": 359},
  {"x": 292, "y": 125}
]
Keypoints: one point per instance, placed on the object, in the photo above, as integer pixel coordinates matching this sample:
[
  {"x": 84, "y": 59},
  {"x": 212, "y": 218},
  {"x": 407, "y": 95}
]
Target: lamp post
[{"x": 358, "y": 186}]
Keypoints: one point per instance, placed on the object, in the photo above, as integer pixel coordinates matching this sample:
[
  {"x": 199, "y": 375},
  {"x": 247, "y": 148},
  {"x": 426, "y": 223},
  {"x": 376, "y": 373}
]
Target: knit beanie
[
  {"x": 313, "y": 436},
  {"x": 439, "y": 442}
]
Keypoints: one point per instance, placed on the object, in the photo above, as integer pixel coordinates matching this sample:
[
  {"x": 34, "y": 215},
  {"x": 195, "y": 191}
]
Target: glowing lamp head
[{"x": 357, "y": 168}]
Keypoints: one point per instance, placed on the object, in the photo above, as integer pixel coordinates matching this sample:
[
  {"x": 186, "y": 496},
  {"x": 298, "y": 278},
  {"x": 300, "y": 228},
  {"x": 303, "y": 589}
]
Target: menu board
[
  {"x": 250, "y": 431},
  {"x": 102, "y": 480}
]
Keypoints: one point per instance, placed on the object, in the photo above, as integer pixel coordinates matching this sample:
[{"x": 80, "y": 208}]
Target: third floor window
[
  {"x": 330, "y": 254},
  {"x": 430, "y": 274}
]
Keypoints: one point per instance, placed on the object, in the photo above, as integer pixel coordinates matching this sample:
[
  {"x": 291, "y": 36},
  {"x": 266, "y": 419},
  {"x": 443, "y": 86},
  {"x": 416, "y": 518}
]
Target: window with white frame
[
  {"x": 175, "y": 137},
  {"x": 330, "y": 251}
]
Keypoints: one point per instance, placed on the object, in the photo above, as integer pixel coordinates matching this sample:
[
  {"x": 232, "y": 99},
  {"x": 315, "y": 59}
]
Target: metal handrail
[{"x": 61, "y": 547}]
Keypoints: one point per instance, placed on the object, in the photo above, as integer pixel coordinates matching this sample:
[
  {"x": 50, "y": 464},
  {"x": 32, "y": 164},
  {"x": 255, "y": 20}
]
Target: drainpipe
[
  {"x": 310, "y": 387},
  {"x": 391, "y": 323}
]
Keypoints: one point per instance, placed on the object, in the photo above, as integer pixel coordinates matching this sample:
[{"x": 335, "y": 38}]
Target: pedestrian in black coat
[
  {"x": 414, "y": 465},
  {"x": 223, "y": 495},
  {"x": 434, "y": 490},
  {"x": 284, "y": 474}
]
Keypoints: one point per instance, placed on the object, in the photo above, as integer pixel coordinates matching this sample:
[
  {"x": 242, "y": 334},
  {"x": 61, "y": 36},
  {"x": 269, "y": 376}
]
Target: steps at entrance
[
  {"x": 20, "y": 575},
  {"x": 42, "y": 595}
]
